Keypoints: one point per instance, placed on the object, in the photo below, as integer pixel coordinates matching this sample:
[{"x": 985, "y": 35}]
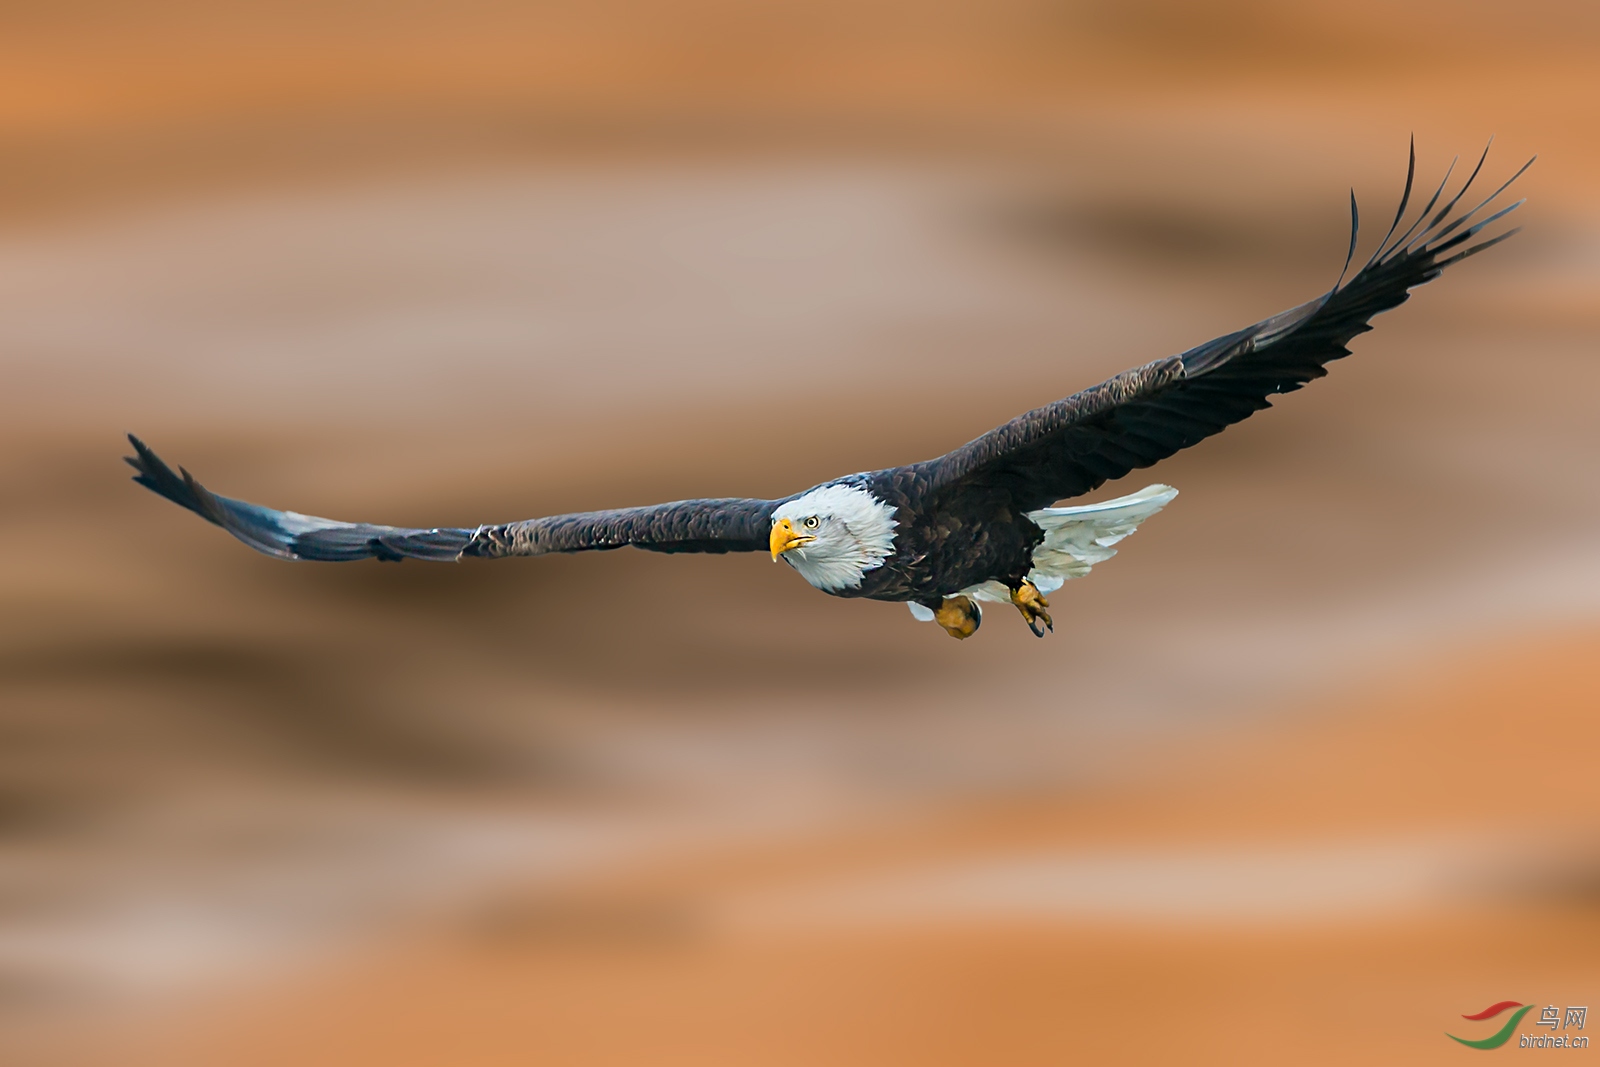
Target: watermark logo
[{"x": 1550, "y": 1016}]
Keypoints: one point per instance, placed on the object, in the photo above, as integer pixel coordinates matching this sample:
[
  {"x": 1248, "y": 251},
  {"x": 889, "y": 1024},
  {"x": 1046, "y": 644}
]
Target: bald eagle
[{"x": 975, "y": 525}]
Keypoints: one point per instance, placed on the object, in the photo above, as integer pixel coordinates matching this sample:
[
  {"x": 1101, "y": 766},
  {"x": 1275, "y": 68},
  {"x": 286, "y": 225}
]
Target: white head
[{"x": 833, "y": 535}]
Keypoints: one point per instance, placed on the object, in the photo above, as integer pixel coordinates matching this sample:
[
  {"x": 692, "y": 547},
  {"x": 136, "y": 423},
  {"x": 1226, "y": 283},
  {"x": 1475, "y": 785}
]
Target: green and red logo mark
[{"x": 1502, "y": 1035}]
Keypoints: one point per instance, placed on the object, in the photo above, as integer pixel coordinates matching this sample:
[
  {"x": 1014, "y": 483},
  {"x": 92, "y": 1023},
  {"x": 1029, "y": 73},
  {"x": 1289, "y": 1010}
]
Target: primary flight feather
[{"x": 975, "y": 525}]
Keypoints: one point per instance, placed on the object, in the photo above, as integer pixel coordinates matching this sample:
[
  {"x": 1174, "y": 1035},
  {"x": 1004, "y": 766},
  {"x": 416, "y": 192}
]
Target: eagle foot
[
  {"x": 960, "y": 617},
  {"x": 1032, "y": 604}
]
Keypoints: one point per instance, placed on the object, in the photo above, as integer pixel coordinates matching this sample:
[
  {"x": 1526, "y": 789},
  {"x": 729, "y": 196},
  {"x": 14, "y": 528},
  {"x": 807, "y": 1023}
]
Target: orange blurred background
[{"x": 1305, "y": 775}]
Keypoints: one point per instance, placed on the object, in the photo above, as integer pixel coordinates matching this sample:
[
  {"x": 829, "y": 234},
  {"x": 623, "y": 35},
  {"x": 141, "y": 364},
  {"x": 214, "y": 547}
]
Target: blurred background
[{"x": 1307, "y": 773}]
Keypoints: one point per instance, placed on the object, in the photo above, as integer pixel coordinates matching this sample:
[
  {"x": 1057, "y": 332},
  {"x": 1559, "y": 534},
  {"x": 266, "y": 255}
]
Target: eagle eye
[{"x": 811, "y": 522}]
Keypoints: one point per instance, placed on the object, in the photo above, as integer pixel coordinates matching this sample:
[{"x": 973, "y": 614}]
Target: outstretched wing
[
  {"x": 1146, "y": 414},
  {"x": 683, "y": 526}
]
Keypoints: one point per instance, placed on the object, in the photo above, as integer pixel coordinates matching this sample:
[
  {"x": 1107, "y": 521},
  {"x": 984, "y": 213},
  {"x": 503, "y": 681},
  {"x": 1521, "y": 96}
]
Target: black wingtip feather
[
  {"x": 156, "y": 476},
  {"x": 1479, "y": 247},
  {"x": 1432, "y": 200},
  {"x": 1405, "y": 201},
  {"x": 287, "y": 535},
  {"x": 1355, "y": 236}
]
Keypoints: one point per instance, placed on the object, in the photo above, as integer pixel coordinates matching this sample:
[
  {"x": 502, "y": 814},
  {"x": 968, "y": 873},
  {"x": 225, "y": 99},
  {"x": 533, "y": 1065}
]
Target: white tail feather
[{"x": 1075, "y": 539}]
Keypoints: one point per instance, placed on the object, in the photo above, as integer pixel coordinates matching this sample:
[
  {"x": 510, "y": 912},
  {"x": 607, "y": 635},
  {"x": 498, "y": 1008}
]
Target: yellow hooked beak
[{"x": 784, "y": 538}]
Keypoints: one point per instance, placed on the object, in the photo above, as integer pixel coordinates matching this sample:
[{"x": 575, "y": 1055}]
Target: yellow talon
[
  {"x": 1032, "y": 604},
  {"x": 959, "y": 616}
]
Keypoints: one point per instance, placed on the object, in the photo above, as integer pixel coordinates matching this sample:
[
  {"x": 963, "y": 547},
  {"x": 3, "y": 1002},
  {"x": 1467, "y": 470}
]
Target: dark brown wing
[
  {"x": 726, "y": 525},
  {"x": 1146, "y": 414},
  {"x": 683, "y": 526}
]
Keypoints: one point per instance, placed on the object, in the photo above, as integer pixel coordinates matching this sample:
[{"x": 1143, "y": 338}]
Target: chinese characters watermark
[{"x": 1552, "y": 1017}]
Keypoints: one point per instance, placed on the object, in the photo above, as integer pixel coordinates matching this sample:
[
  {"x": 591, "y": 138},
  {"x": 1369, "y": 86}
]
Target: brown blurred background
[{"x": 1305, "y": 774}]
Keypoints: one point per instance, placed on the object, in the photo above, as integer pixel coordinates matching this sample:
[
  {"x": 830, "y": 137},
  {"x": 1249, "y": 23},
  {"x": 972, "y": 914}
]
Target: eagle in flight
[{"x": 975, "y": 525}]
